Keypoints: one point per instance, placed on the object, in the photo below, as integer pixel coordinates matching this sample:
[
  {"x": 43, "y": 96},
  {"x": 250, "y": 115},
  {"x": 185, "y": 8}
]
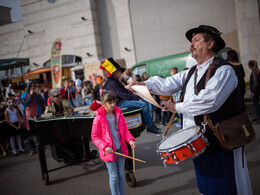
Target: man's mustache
[{"x": 192, "y": 48}]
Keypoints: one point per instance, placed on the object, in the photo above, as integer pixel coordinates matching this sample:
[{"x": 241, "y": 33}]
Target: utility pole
[{"x": 17, "y": 61}]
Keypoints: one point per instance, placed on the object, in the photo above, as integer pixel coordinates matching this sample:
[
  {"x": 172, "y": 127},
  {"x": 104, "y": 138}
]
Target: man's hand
[
  {"x": 31, "y": 91},
  {"x": 133, "y": 82},
  {"x": 168, "y": 106},
  {"x": 109, "y": 150}
]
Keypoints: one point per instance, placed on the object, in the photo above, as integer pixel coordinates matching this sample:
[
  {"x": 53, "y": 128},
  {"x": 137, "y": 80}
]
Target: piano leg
[{"x": 43, "y": 164}]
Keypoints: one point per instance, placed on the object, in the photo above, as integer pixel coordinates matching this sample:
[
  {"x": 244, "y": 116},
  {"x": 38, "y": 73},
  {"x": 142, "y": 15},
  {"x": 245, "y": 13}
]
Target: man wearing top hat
[
  {"x": 125, "y": 99},
  {"x": 217, "y": 171}
]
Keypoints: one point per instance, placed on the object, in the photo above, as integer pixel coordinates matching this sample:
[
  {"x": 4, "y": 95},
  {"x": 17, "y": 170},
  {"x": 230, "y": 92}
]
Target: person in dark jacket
[
  {"x": 125, "y": 99},
  {"x": 232, "y": 58},
  {"x": 34, "y": 107},
  {"x": 255, "y": 87}
]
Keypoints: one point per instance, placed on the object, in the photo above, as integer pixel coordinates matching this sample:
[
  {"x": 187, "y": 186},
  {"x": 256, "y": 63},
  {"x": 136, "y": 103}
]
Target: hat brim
[{"x": 218, "y": 40}]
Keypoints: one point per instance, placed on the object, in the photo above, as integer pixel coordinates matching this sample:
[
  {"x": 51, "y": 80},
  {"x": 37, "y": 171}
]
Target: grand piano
[{"x": 49, "y": 130}]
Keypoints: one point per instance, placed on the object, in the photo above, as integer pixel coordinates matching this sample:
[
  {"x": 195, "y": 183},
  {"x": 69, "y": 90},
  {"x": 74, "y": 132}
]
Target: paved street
[{"x": 21, "y": 174}]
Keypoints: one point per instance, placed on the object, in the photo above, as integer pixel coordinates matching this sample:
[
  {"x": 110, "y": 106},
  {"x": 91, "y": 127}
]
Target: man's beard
[
  {"x": 192, "y": 53},
  {"x": 194, "y": 56}
]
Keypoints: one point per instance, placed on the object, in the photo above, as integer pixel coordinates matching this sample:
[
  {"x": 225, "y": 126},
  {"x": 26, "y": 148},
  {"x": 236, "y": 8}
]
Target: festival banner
[{"x": 56, "y": 62}]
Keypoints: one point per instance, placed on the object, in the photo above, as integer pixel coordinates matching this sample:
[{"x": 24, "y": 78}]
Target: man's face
[
  {"x": 57, "y": 96},
  {"x": 145, "y": 76},
  {"x": 66, "y": 83},
  {"x": 32, "y": 86},
  {"x": 198, "y": 46}
]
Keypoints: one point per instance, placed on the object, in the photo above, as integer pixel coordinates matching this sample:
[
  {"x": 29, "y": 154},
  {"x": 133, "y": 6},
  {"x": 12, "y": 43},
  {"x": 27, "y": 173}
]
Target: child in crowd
[
  {"x": 137, "y": 77},
  {"x": 128, "y": 75},
  {"x": 88, "y": 96},
  {"x": 13, "y": 119},
  {"x": 78, "y": 96},
  {"x": 110, "y": 134}
]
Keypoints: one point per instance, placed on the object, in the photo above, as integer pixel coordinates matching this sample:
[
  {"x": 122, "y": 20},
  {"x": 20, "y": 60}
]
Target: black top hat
[
  {"x": 215, "y": 33},
  {"x": 111, "y": 66}
]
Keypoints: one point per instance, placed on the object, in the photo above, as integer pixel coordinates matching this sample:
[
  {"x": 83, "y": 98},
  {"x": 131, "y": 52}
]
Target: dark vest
[{"x": 231, "y": 107}]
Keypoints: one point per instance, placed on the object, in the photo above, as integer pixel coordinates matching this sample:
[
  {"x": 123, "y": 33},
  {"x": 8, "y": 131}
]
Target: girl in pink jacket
[{"x": 109, "y": 134}]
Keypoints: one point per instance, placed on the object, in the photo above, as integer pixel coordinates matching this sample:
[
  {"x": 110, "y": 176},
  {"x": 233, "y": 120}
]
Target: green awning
[{"x": 4, "y": 63}]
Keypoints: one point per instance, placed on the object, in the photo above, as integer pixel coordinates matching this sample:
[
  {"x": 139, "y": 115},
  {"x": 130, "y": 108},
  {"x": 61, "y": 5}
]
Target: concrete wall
[
  {"x": 47, "y": 21},
  {"x": 11, "y": 37},
  {"x": 248, "y": 24},
  {"x": 108, "y": 29},
  {"x": 159, "y": 27},
  {"x": 135, "y": 30}
]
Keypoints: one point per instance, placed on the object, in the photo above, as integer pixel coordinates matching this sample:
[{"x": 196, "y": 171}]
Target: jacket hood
[
  {"x": 102, "y": 112},
  {"x": 28, "y": 85}
]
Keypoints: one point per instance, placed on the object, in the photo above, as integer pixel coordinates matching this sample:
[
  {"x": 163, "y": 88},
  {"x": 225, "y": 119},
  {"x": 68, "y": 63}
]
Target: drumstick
[
  {"x": 133, "y": 149},
  {"x": 170, "y": 122},
  {"x": 129, "y": 157},
  {"x": 168, "y": 125}
]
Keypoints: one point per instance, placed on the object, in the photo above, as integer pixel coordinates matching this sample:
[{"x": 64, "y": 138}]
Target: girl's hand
[
  {"x": 132, "y": 143},
  {"x": 109, "y": 150}
]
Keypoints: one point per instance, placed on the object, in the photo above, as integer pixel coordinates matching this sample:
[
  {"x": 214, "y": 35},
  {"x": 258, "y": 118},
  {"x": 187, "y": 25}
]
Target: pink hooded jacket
[{"x": 102, "y": 137}]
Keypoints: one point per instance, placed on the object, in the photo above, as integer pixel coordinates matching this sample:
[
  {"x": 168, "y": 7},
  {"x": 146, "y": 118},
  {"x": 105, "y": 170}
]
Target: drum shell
[{"x": 187, "y": 150}]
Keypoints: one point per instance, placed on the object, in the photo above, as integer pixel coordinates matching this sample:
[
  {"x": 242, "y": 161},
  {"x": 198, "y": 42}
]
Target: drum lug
[
  {"x": 188, "y": 146},
  {"x": 164, "y": 164},
  {"x": 174, "y": 157},
  {"x": 170, "y": 155},
  {"x": 205, "y": 140},
  {"x": 165, "y": 157},
  {"x": 158, "y": 153},
  {"x": 194, "y": 149}
]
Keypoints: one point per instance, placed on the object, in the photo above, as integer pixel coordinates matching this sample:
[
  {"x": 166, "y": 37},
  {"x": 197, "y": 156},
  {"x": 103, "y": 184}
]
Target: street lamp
[{"x": 89, "y": 54}]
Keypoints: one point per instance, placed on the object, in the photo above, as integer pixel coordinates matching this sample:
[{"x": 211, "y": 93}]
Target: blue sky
[{"x": 16, "y": 12}]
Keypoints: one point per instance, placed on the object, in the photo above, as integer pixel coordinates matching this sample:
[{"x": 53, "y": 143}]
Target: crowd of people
[
  {"x": 224, "y": 93},
  {"x": 17, "y": 106}
]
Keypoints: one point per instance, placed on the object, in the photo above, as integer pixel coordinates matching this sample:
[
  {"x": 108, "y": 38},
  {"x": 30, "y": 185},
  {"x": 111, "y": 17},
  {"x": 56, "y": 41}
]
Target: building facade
[{"x": 135, "y": 30}]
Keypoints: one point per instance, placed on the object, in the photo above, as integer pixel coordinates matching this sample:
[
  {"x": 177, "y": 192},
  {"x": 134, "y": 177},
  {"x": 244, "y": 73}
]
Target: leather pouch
[{"x": 234, "y": 132}]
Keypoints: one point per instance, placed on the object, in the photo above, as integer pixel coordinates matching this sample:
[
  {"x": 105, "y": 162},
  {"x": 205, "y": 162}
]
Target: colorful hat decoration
[{"x": 111, "y": 66}]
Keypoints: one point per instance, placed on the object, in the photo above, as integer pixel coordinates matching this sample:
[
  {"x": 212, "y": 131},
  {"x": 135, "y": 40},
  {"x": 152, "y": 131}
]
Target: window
[{"x": 66, "y": 60}]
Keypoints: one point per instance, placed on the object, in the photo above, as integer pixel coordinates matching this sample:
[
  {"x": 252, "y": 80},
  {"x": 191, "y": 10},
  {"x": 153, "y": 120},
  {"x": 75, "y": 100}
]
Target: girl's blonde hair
[{"x": 107, "y": 96}]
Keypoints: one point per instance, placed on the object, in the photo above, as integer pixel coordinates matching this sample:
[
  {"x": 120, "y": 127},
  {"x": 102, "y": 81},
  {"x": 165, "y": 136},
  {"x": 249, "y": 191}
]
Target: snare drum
[{"x": 182, "y": 145}]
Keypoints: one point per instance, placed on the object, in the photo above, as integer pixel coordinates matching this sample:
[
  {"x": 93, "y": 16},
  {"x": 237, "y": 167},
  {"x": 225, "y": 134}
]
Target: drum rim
[{"x": 198, "y": 134}]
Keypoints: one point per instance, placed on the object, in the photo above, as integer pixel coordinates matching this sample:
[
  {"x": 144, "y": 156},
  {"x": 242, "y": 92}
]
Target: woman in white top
[{"x": 13, "y": 119}]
